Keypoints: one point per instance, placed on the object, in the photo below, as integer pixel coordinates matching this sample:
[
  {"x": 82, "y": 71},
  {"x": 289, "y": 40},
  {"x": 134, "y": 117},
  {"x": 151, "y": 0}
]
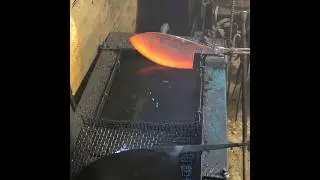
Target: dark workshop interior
[{"x": 122, "y": 103}]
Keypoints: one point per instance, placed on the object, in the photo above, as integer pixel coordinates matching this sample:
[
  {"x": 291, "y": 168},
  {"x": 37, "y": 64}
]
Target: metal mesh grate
[{"x": 108, "y": 137}]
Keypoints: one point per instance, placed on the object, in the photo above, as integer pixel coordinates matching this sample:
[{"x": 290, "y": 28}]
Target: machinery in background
[{"x": 229, "y": 20}]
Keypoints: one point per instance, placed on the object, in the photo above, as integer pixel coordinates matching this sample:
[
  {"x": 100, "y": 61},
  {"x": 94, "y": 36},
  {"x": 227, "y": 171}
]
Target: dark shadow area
[
  {"x": 145, "y": 91},
  {"x": 151, "y": 14},
  {"x": 135, "y": 165}
]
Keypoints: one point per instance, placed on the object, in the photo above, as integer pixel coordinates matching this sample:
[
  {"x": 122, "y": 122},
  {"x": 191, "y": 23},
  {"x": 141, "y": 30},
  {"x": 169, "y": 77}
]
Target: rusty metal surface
[{"x": 214, "y": 129}]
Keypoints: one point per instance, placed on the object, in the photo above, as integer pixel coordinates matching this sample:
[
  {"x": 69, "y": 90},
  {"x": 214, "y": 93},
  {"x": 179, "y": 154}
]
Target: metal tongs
[
  {"x": 176, "y": 150},
  {"x": 223, "y": 50},
  {"x": 220, "y": 51}
]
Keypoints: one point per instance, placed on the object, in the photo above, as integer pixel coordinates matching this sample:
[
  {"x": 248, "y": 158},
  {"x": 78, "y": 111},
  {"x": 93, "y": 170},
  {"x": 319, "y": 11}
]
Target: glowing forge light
[{"x": 166, "y": 50}]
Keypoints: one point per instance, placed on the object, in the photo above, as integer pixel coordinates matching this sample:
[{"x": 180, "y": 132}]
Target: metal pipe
[
  {"x": 238, "y": 103},
  {"x": 238, "y": 76},
  {"x": 216, "y": 13},
  {"x": 229, "y": 66},
  {"x": 204, "y": 6},
  {"x": 234, "y": 39},
  {"x": 229, "y": 75},
  {"x": 244, "y": 15},
  {"x": 178, "y": 149}
]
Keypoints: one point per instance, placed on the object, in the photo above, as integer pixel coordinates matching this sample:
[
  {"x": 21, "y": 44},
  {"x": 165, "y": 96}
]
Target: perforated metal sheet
[{"x": 95, "y": 141}]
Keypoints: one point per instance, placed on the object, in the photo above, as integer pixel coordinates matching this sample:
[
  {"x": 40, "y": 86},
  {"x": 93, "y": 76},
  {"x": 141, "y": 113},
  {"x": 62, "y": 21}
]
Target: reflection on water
[{"x": 145, "y": 91}]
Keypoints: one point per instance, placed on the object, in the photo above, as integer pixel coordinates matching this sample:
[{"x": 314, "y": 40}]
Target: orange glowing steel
[
  {"x": 151, "y": 69},
  {"x": 166, "y": 50}
]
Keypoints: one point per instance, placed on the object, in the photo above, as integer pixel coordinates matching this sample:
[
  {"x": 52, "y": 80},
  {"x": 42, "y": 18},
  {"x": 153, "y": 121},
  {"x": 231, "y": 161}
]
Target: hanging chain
[{"x": 232, "y": 18}]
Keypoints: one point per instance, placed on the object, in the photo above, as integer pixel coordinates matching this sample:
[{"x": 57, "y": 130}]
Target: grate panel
[{"x": 96, "y": 141}]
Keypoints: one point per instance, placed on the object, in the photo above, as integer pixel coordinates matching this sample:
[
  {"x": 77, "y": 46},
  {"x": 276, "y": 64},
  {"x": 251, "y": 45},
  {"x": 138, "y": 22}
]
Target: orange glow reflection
[
  {"x": 151, "y": 69},
  {"x": 166, "y": 50}
]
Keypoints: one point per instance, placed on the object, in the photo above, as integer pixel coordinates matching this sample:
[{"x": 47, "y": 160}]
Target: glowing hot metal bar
[
  {"x": 173, "y": 51},
  {"x": 166, "y": 50}
]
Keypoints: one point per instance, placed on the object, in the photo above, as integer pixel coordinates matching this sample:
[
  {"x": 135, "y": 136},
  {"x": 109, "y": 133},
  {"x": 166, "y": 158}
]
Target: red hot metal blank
[{"x": 167, "y": 50}]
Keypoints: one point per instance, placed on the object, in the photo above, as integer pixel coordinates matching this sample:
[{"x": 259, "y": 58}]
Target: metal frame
[
  {"x": 214, "y": 163},
  {"x": 94, "y": 124},
  {"x": 72, "y": 101},
  {"x": 115, "y": 68},
  {"x": 89, "y": 145}
]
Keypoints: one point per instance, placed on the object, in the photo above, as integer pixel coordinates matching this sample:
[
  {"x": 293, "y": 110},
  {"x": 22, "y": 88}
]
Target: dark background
[
  {"x": 153, "y": 13},
  {"x": 35, "y": 121}
]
